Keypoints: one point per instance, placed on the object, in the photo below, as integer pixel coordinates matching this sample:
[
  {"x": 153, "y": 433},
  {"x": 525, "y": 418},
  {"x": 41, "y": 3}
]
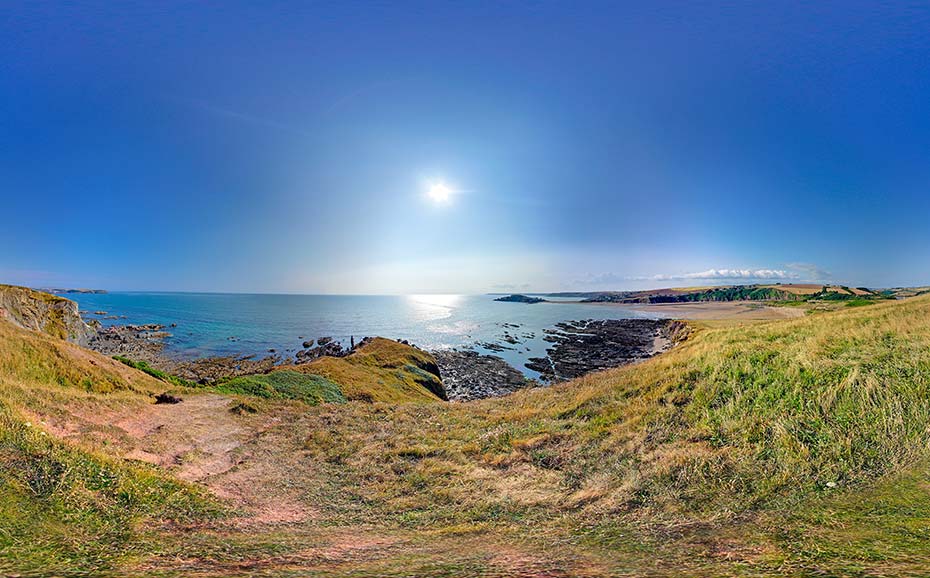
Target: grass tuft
[{"x": 284, "y": 384}]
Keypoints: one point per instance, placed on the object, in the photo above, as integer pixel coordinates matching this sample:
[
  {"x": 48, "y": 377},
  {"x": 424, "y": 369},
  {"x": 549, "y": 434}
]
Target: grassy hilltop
[
  {"x": 781, "y": 293},
  {"x": 795, "y": 447}
]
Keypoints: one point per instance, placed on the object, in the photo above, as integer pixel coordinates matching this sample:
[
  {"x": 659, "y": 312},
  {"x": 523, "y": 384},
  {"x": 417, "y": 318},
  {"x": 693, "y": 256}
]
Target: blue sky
[{"x": 289, "y": 147}]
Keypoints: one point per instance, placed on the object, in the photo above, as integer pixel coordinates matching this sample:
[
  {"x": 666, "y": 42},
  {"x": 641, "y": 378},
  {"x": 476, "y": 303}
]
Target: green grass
[
  {"x": 280, "y": 384},
  {"x": 849, "y": 532},
  {"x": 67, "y": 511},
  {"x": 283, "y": 384},
  {"x": 156, "y": 373},
  {"x": 792, "y": 447},
  {"x": 382, "y": 371},
  {"x": 734, "y": 425},
  {"x": 860, "y": 302}
]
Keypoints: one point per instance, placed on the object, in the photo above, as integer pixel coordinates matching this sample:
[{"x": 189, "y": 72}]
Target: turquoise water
[{"x": 229, "y": 324}]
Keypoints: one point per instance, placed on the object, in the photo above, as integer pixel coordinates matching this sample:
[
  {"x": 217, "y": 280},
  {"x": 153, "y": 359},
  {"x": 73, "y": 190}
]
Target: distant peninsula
[
  {"x": 788, "y": 292},
  {"x": 57, "y": 291},
  {"x": 520, "y": 299}
]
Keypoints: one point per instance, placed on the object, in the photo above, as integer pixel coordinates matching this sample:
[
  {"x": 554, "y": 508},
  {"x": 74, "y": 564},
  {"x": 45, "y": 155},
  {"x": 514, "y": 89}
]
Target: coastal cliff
[{"x": 44, "y": 312}]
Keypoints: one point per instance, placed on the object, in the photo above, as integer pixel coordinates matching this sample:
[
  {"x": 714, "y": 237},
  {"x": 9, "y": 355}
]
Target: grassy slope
[
  {"x": 382, "y": 370},
  {"x": 786, "y": 447},
  {"x": 62, "y": 509},
  {"x": 735, "y": 428},
  {"x": 285, "y": 384}
]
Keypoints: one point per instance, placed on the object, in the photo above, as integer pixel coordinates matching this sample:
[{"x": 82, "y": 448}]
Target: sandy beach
[{"x": 706, "y": 311}]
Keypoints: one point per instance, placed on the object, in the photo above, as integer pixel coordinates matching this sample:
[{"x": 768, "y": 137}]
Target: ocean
[{"x": 210, "y": 324}]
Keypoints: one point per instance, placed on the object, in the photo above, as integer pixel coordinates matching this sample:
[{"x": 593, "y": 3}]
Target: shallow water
[{"x": 229, "y": 324}]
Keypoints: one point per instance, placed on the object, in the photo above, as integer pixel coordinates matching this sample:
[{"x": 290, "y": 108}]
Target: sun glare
[{"x": 439, "y": 192}]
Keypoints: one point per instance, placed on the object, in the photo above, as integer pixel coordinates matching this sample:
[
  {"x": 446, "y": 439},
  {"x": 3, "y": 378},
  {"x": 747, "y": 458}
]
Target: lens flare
[{"x": 439, "y": 192}]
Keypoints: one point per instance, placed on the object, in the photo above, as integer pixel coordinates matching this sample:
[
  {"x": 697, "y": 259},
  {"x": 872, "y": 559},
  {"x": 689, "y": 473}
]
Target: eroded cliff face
[{"x": 44, "y": 312}]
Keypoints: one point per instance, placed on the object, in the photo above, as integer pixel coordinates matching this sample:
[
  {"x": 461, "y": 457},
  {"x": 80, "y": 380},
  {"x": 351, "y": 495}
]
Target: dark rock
[
  {"x": 146, "y": 343},
  {"x": 167, "y": 398},
  {"x": 137, "y": 342},
  {"x": 491, "y": 346},
  {"x": 326, "y": 346},
  {"x": 209, "y": 370},
  {"x": 468, "y": 375},
  {"x": 580, "y": 347},
  {"x": 520, "y": 299}
]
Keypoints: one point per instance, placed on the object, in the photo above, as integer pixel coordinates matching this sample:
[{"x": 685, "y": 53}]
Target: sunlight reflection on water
[{"x": 433, "y": 307}]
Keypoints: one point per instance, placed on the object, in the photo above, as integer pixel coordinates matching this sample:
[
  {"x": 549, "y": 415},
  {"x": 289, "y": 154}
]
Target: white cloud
[
  {"x": 809, "y": 271},
  {"x": 511, "y": 287},
  {"x": 732, "y": 274},
  {"x": 789, "y": 272}
]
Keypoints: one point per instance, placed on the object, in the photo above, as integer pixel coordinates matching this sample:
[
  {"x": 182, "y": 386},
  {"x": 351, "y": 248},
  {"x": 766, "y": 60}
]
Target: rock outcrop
[
  {"x": 380, "y": 369},
  {"x": 520, "y": 299},
  {"x": 580, "y": 347},
  {"x": 469, "y": 375},
  {"x": 44, "y": 312}
]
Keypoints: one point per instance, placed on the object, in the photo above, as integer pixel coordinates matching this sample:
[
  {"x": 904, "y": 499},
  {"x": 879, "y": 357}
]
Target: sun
[{"x": 439, "y": 192}]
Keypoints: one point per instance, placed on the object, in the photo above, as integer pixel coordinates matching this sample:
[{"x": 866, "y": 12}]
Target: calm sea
[{"x": 228, "y": 324}]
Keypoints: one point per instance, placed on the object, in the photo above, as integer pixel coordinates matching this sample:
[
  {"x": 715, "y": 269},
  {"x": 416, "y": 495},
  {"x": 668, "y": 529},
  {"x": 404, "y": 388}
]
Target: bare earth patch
[{"x": 199, "y": 440}]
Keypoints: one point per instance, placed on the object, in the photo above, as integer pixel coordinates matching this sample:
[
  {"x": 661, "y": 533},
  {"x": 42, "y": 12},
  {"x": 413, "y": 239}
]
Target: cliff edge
[{"x": 44, "y": 312}]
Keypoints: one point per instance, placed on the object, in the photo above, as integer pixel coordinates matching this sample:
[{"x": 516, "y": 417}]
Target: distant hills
[
  {"x": 768, "y": 292},
  {"x": 65, "y": 291}
]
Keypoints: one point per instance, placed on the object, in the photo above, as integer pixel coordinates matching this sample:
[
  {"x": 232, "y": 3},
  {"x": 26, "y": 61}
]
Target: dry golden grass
[
  {"x": 382, "y": 370},
  {"x": 732, "y": 454},
  {"x": 65, "y": 509}
]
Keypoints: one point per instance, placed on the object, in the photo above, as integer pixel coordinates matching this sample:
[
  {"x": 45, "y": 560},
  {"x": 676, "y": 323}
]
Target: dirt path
[
  {"x": 241, "y": 458},
  {"x": 260, "y": 465},
  {"x": 195, "y": 440}
]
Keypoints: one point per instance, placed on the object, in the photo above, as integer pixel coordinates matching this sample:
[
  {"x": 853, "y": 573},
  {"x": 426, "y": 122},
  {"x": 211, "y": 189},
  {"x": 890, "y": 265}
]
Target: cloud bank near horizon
[
  {"x": 789, "y": 272},
  {"x": 732, "y": 274}
]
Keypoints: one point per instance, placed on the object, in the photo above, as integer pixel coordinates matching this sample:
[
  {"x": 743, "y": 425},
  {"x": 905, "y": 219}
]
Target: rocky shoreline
[
  {"x": 147, "y": 343},
  {"x": 579, "y": 347},
  {"x": 468, "y": 375}
]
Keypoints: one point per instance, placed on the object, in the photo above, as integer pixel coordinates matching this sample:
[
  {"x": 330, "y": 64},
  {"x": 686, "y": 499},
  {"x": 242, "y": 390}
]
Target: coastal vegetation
[
  {"x": 795, "y": 447},
  {"x": 64, "y": 508},
  {"x": 789, "y": 293},
  {"x": 382, "y": 370},
  {"x": 285, "y": 384},
  {"x": 378, "y": 370},
  {"x": 156, "y": 373},
  {"x": 520, "y": 299}
]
